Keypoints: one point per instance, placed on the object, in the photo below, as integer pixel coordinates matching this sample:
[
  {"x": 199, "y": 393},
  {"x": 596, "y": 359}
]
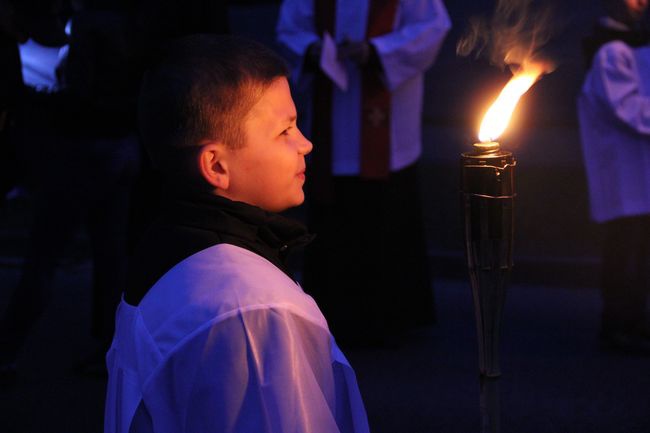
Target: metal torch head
[{"x": 488, "y": 171}]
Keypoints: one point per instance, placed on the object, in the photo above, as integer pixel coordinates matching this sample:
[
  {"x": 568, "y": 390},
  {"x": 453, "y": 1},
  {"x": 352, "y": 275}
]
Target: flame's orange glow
[{"x": 498, "y": 115}]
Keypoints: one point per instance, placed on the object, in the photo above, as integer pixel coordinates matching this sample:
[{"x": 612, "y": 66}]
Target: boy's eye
[{"x": 286, "y": 131}]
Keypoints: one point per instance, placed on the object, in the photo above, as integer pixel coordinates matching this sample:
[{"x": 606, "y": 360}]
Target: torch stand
[{"x": 488, "y": 201}]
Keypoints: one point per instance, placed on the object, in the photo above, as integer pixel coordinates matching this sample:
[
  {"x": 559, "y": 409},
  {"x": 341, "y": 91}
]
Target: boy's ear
[{"x": 213, "y": 166}]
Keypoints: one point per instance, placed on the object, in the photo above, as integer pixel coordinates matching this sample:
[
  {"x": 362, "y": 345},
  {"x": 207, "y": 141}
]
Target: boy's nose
[{"x": 304, "y": 146}]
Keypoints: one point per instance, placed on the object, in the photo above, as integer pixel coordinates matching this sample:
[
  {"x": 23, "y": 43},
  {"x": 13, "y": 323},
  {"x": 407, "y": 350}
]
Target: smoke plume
[{"x": 514, "y": 36}]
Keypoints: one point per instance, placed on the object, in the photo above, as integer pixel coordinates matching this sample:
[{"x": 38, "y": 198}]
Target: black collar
[
  {"x": 193, "y": 221},
  {"x": 240, "y": 222}
]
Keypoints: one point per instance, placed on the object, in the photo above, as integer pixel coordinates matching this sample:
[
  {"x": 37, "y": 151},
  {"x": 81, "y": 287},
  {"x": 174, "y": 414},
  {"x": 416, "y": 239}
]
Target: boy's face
[{"x": 269, "y": 170}]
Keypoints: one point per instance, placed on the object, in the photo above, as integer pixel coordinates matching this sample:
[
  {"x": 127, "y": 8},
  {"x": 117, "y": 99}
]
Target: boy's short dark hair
[{"x": 202, "y": 89}]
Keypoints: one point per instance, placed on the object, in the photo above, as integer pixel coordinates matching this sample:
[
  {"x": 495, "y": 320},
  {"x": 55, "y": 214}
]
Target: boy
[{"x": 212, "y": 334}]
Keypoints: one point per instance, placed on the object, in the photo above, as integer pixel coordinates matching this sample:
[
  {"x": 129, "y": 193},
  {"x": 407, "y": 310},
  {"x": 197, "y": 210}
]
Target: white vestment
[
  {"x": 226, "y": 342},
  {"x": 39, "y": 64},
  {"x": 419, "y": 30},
  {"x": 614, "y": 113}
]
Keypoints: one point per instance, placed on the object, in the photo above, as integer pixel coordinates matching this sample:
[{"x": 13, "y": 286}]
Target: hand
[{"x": 357, "y": 52}]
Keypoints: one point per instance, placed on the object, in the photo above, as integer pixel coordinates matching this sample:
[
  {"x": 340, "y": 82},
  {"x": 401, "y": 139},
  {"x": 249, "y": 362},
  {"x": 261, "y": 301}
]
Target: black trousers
[
  {"x": 625, "y": 274},
  {"x": 367, "y": 267}
]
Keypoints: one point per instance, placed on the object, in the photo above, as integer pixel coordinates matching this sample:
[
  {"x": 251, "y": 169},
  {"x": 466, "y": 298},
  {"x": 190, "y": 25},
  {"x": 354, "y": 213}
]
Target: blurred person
[
  {"x": 368, "y": 266},
  {"x": 614, "y": 114},
  {"x": 213, "y": 335},
  {"x": 11, "y": 91},
  {"x": 80, "y": 141},
  {"x": 41, "y": 53}
]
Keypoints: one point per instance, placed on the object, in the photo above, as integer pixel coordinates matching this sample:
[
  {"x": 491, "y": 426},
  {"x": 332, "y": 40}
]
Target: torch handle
[
  {"x": 490, "y": 405},
  {"x": 488, "y": 208},
  {"x": 489, "y": 236}
]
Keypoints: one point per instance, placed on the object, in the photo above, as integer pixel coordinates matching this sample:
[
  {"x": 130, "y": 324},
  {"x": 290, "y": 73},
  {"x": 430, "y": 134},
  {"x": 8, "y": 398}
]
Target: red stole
[{"x": 375, "y": 102}]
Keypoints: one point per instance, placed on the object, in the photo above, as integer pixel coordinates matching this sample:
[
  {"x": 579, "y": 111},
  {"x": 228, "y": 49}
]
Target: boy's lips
[{"x": 301, "y": 174}]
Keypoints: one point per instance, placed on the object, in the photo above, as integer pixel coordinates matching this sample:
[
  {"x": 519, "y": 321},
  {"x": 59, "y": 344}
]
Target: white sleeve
[
  {"x": 296, "y": 31},
  {"x": 615, "y": 81},
  {"x": 265, "y": 370},
  {"x": 414, "y": 45}
]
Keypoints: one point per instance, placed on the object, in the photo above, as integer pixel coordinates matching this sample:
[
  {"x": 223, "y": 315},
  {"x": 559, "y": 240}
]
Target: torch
[{"x": 488, "y": 188}]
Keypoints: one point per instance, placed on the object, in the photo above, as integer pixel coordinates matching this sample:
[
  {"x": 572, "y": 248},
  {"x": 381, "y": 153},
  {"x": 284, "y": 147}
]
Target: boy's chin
[{"x": 285, "y": 206}]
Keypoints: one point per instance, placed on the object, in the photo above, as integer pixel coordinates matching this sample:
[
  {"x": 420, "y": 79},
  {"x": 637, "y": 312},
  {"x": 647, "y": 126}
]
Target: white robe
[
  {"x": 419, "y": 30},
  {"x": 226, "y": 342},
  {"x": 39, "y": 64},
  {"x": 614, "y": 113}
]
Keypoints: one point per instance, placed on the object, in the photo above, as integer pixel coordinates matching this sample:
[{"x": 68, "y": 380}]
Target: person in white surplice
[
  {"x": 363, "y": 201},
  {"x": 213, "y": 335},
  {"x": 614, "y": 113}
]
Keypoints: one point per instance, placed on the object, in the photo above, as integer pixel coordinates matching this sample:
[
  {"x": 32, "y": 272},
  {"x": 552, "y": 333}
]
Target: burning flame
[{"x": 498, "y": 115}]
